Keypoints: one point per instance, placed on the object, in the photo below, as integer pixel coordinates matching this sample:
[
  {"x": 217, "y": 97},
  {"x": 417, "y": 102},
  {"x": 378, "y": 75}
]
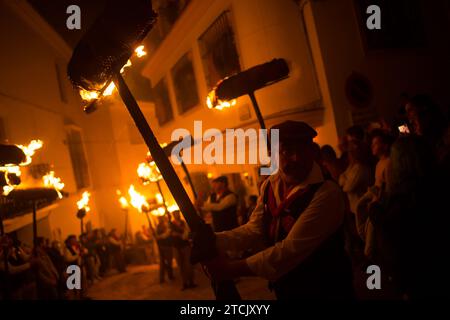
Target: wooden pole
[
  {"x": 262, "y": 124},
  {"x": 34, "y": 225}
]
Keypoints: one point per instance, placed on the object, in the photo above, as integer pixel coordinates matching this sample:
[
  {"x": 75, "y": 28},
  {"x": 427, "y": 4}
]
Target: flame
[
  {"x": 109, "y": 90},
  {"x": 122, "y": 200},
  {"x": 29, "y": 151},
  {"x": 213, "y": 102},
  {"x": 83, "y": 203},
  {"x": 149, "y": 172},
  {"x": 88, "y": 95},
  {"x": 209, "y": 175},
  {"x": 159, "y": 198},
  {"x": 158, "y": 212},
  {"x": 173, "y": 208},
  {"x": 128, "y": 64},
  {"x": 92, "y": 95},
  {"x": 138, "y": 201},
  {"x": 7, "y": 190},
  {"x": 51, "y": 181},
  {"x": 140, "y": 51}
]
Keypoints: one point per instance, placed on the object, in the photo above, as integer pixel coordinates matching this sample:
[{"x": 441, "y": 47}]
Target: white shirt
[
  {"x": 354, "y": 181},
  {"x": 323, "y": 217}
]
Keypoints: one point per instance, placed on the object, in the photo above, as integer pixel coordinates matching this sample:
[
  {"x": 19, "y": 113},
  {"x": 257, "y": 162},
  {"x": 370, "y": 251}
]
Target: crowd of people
[
  {"x": 394, "y": 212},
  {"x": 382, "y": 201},
  {"x": 395, "y": 181},
  {"x": 41, "y": 271}
]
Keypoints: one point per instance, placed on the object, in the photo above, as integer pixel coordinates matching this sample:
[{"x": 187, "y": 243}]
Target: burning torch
[
  {"x": 83, "y": 208},
  {"x": 124, "y": 205},
  {"x": 226, "y": 92},
  {"x": 96, "y": 63}
]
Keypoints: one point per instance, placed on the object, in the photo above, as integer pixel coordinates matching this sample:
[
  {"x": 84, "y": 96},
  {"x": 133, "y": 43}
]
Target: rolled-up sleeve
[{"x": 318, "y": 222}]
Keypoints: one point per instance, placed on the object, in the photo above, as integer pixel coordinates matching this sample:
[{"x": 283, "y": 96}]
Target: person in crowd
[
  {"x": 409, "y": 223},
  {"x": 299, "y": 217},
  {"x": 222, "y": 204},
  {"x": 145, "y": 240},
  {"x": 330, "y": 162},
  {"x": 55, "y": 254},
  {"x": 355, "y": 181},
  {"x": 73, "y": 255},
  {"x": 16, "y": 269},
  {"x": 343, "y": 149},
  {"x": 182, "y": 248},
  {"x": 381, "y": 146},
  {"x": 101, "y": 247},
  {"x": 164, "y": 240},
  {"x": 115, "y": 248},
  {"x": 426, "y": 119},
  {"x": 47, "y": 275},
  {"x": 358, "y": 176}
]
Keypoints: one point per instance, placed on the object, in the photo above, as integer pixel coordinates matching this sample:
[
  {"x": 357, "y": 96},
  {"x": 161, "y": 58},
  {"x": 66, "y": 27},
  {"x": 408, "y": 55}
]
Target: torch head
[
  {"x": 110, "y": 42},
  {"x": 251, "y": 80},
  {"x": 11, "y": 155}
]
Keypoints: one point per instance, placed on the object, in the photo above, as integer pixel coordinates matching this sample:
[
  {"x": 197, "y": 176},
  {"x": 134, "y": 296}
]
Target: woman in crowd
[{"x": 409, "y": 226}]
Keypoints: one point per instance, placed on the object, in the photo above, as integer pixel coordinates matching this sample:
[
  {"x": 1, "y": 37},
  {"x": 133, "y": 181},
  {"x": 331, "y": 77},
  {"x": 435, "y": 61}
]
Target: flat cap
[{"x": 295, "y": 131}]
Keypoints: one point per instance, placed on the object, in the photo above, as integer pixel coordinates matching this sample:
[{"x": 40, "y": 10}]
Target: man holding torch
[{"x": 299, "y": 218}]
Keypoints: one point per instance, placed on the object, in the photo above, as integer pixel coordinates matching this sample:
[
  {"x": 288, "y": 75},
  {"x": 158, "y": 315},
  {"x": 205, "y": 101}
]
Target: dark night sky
[{"x": 54, "y": 11}]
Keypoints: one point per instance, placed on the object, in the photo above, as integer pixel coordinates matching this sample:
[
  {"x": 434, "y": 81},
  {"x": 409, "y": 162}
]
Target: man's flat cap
[
  {"x": 295, "y": 130},
  {"x": 223, "y": 179}
]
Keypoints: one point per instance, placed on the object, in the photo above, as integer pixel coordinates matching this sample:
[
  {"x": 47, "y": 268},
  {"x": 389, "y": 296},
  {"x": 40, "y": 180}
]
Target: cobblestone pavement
[{"x": 142, "y": 283}]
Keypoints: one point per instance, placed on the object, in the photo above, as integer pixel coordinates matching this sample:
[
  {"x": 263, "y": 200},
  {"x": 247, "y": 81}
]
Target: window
[
  {"x": 78, "y": 157},
  {"x": 185, "y": 84},
  {"x": 169, "y": 11},
  {"x": 162, "y": 102},
  {"x": 218, "y": 49}
]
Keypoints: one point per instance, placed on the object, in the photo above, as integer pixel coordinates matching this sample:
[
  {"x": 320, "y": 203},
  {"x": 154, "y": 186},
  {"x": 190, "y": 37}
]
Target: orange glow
[
  {"x": 149, "y": 172},
  {"x": 92, "y": 95},
  {"x": 214, "y": 103},
  {"x": 122, "y": 200},
  {"x": 137, "y": 200},
  {"x": 158, "y": 212},
  {"x": 159, "y": 198},
  {"x": 140, "y": 51},
  {"x": 29, "y": 151},
  {"x": 51, "y": 181},
  {"x": 83, "y": 203}
]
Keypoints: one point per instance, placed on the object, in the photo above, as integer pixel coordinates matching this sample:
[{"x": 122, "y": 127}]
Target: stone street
[{"x": 142, "y": 283}]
